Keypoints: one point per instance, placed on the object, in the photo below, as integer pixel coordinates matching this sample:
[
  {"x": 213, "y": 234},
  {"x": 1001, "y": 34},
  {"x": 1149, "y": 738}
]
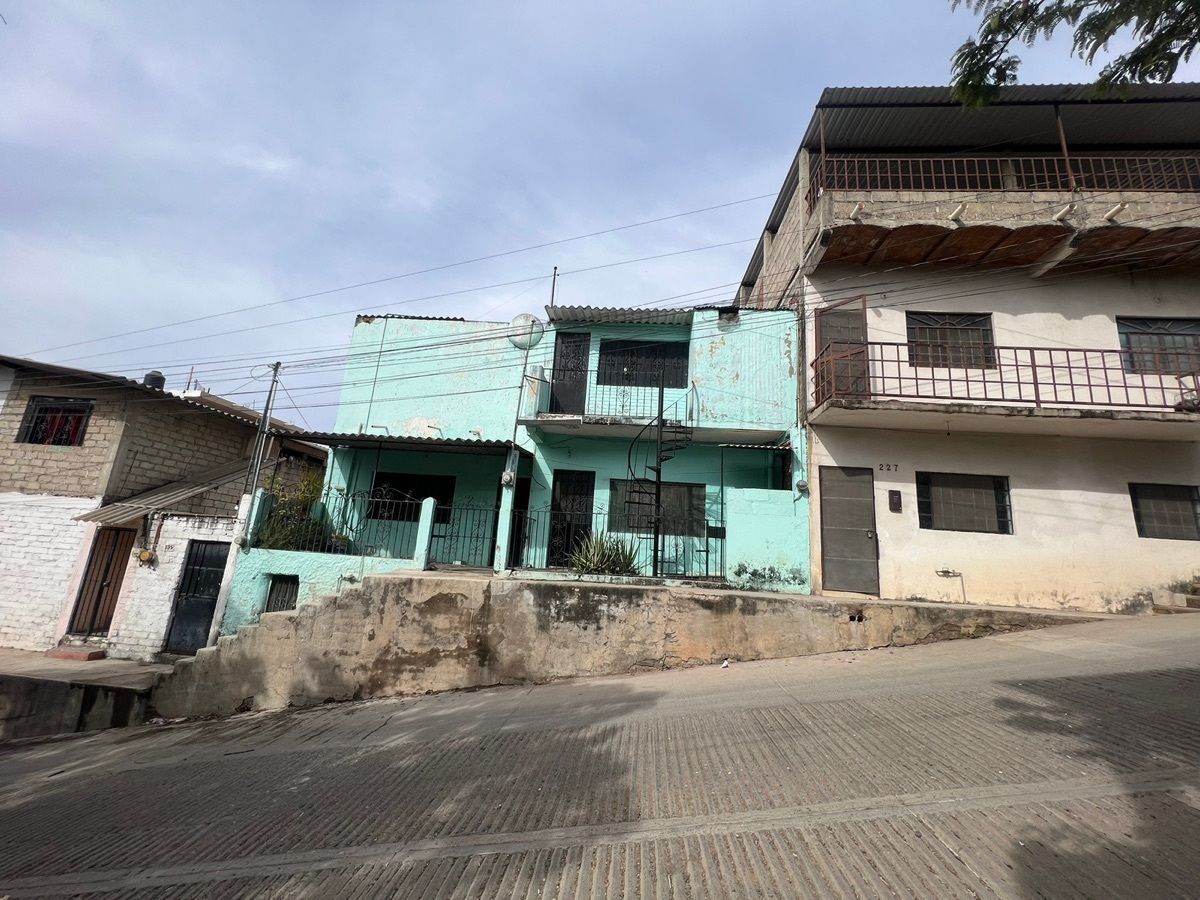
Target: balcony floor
[
  {"x": 628, "y": 429},
  {"x": 980, "y": 418}
]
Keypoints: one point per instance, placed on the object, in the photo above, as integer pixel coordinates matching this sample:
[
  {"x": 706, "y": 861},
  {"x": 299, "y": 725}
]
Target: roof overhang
[
  {"x": 603, "y": 315},
  {"x": 403, "y": 442},
  {"x": 168, "y": 495}
]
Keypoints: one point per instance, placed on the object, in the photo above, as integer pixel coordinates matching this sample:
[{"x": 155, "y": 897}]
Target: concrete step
[
  {"x": 1161, "y": 610},
  {"x": 76, "y": 652}
]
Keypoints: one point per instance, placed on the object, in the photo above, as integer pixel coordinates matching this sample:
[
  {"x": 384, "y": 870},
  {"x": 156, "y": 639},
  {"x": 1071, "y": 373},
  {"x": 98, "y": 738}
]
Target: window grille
[
  {"x": 951, "y": 340},
  {"x": 643, "y": 363},
  {"x": 683, "y": 509},
  {"x": 1169, "y": 511},
  {"x": 955, "y": 502},
  {"x": 1160, "y": 346},
  {"x": 55, "y": 421},
  {"x": 282, "y": 593}
]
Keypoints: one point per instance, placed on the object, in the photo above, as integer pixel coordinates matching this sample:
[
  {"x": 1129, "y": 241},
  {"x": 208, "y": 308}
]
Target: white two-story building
[{"x": 1002, "y": 342}]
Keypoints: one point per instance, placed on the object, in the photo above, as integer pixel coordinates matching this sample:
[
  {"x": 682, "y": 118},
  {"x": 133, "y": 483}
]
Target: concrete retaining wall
[
  {"x": 408, "y": 634},
  {"x": 41, "y": 706}
]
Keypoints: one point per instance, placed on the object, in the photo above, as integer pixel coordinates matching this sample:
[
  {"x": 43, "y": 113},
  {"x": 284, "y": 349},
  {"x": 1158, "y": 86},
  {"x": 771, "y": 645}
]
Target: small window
[
  {"x": 1169, "y": 511},
  {"x": 55, "y": 421},
  {"x": 1160, "y": 346},
  {"x": 954, "y": 502},
  {"x": 397, "y": 496},
  {"x": 682, "y": 508},
  {"x": 643, "y": 363},
  {"x": 951, "y": 340},
  {"x": 282, "y": 593}
]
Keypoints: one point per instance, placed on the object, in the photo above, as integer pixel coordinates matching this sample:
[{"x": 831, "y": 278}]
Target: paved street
[{"x": 1055, "y": 763}]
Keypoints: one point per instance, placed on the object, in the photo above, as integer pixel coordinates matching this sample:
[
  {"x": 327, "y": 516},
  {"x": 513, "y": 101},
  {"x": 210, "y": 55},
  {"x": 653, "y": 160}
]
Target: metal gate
[
  {"x": 849, "y": 545},
  {"x": 101, "y": 584},
  {"x": 196, "y": 599},
  {"x": 464, "y": 536}
]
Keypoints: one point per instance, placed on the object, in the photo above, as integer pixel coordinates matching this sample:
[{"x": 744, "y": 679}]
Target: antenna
[{"x": 553, "y": 284}]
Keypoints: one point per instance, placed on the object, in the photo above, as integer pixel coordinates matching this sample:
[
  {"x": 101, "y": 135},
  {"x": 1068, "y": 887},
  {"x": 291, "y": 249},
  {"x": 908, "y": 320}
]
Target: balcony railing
[
  {"x": 1165, "y": 380},
  {"x": 849, "y": 172},
  {"x": 612, "y": 396}
]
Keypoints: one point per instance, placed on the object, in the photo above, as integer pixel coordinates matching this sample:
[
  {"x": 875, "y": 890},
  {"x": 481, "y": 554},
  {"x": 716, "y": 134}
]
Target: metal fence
[
  {"x": 1041, "y": 376},
  {"x": 609, "y": 395},
  {"x": 850, "y": 172},
  {"x": 464, "y": 535},
  {"x": 362, "y": 523},
  {"x": 551, "y": 539}
]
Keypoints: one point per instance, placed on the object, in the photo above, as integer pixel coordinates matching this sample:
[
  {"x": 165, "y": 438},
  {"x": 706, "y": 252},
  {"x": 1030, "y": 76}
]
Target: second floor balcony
[{"x": 965, "y": 386}]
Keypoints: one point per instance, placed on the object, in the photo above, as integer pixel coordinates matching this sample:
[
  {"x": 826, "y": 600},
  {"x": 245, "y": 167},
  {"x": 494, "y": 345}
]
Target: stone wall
[
  {"x": 410, "y": 634},
  {"x": 143, "y": 612},
  {"x": 40, "y": 551}
]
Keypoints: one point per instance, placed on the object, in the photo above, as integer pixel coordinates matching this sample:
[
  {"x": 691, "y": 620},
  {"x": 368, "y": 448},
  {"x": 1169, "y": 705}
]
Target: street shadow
[
  {"x": 1144, "y": 729},
  {"x": 445, "y": 772}
]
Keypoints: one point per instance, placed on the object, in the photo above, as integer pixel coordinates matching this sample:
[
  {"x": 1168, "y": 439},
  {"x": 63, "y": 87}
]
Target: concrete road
[{"x": 1056, "y": 763}]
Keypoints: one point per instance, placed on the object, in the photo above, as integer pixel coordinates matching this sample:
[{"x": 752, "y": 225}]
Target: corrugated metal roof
[
  {"x": 609, "y": 315},
  {"x": 393, "y": 442},
  {"x": 371, "y": 317},
  {"x": 1022, "y": 117},
  {"x": 166, "y": 496}
]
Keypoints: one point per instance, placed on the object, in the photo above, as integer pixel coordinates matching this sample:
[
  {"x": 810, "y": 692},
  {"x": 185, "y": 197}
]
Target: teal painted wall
[
  {"x": 765, "y": 530},
  {"x": 320, "y": 574}
]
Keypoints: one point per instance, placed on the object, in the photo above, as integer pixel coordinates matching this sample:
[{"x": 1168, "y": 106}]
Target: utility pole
[
  {"x": 260, "y": 441},
  {"x": 553, "y": 284},
  {"x": 658, "y": 464}
]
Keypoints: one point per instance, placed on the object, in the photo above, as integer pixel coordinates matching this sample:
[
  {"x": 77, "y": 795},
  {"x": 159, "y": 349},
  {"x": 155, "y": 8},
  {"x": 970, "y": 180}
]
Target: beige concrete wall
[
  {"x": 411, "y": 634},
  {"x": 1074, "y": 542}
]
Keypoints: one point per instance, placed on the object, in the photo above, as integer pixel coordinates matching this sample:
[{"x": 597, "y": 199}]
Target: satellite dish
[{"x": 526, "y": 331}]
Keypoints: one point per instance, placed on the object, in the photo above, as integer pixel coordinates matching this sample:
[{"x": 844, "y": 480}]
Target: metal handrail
[{"x": 989, "y": 373}]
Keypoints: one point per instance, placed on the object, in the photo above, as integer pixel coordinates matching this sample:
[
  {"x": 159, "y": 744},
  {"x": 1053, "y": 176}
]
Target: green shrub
[
  {"x": 604, "y": 554},
  {"x": 291, "y": 525}
]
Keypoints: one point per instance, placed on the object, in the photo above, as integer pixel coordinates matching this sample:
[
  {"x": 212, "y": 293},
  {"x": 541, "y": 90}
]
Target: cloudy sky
[{"x": 167, "y": 161}]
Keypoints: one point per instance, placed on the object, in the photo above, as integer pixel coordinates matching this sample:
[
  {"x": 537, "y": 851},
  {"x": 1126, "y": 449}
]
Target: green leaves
[
  {"x": 1166, "y": 33},
  {"x": 604, "y": 554}
]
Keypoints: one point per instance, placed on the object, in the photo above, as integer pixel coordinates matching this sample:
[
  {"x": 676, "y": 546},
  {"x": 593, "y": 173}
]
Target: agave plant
[{"x": 604, "y": 554}]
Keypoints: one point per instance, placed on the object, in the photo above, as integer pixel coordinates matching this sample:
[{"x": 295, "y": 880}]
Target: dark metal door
[
  {"x": 571, "y": 500},
  {"x": 842, "y": 350},
  {"x": 568, "y": 385},
  {"x": 196, "y": 599},
  {"x": 102, "y": 581},
  {"x": 849, "y": 545}
]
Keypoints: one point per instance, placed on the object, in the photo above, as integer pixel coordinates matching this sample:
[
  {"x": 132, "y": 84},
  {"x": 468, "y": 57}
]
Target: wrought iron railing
[
  {"x": 464, "y": 536},
  {"x": 362, "y": 523},
  {"x": 851, "y": 172},
  {"x": 1165, "y": 380},
  {"x": 611, "y": 395},
  {"x": 690, "y": 547}
]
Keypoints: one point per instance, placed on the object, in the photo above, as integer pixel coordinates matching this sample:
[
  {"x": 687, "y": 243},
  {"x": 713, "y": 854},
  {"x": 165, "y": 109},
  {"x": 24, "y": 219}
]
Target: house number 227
[{"x": 888, "y": 467}]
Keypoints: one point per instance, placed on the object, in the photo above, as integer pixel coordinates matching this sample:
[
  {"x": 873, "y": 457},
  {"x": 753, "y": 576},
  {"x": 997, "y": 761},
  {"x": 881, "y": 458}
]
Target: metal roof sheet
[
  {"x": 393, "y": 442},
  {"x": 168, "y": 495},
  {"x": 1022, "y": 117},
  {"x": 608, "y": 315}
]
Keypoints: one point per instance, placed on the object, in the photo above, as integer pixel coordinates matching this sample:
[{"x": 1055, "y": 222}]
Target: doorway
[
  {"x": 101, "y": 584},
  {"x": 571, "y": 499},
  {"x": 849, "y": 544},
  {"x": 196, "y": 598},
  {"x": 568, "y": 384},
  {"x": 842, "y": 361}
]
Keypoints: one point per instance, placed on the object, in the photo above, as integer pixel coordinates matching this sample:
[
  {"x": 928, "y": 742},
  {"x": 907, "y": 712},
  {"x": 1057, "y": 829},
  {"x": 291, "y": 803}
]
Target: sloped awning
[
  {"x": 166, "y": 496},
  {"x": 472, "y": 446}
]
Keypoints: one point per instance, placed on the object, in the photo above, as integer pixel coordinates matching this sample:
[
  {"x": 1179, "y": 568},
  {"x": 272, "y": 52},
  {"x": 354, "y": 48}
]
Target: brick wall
[
  {"x": 40, "y": 549},
  {"x": 68, "y": 471},
  {"x": 143, "y": 612}
]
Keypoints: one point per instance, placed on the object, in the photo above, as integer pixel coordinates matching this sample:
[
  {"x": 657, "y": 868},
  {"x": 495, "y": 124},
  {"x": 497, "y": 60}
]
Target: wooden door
[
  {"x": 849, "y": 545},
  {"x": 571, "y": 500},
  {"x": 842, "y": 362},
  {"x": 568, "y": 384},
  {"x": 196, "y": 598},
  {"x": 102, "y": 581}
]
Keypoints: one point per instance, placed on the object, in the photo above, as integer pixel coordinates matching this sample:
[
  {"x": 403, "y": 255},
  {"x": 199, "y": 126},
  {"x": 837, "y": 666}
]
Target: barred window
[
  {"x": 282, "y": 592},
  {"x": 55, "y": 421},
  {"x": 397, "y": 496},
  {"x": 1160, "y": 346},
  {"x": 951, "y": 340},
  {"x": 1169, "y": 511},
  {"x": 682, "y": 508},
  {"x": 643, "y": 363},
  {"x": 954, "y": 502}
]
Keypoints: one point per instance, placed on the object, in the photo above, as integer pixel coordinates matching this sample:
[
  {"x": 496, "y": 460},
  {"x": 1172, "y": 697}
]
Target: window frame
[
  {"x": 1139, "y": 518},
  {"x": 1133, "y": 357},
  {"x": 695, "y": 523},
  {"x": 443, "y": 494},
  {"x": 38, "y": 404},
  {"x": 1001, "y": 492},
  {"x": 619, "y": 364},
  {"x": 936, "y": 354}
]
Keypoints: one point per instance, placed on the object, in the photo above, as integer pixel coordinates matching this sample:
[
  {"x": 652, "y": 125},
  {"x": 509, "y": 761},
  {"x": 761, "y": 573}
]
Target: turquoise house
[{"x": 669, "y": 437}]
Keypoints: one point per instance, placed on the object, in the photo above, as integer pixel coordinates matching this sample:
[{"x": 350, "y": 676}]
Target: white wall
[
  {"x": 1075, "y": 543},
  {"x": 1051, "y": 311},
  {"x": 7, "y": 376},
  {"x": 143, "y": 612},
  {"x": 41, "y": 553}
]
